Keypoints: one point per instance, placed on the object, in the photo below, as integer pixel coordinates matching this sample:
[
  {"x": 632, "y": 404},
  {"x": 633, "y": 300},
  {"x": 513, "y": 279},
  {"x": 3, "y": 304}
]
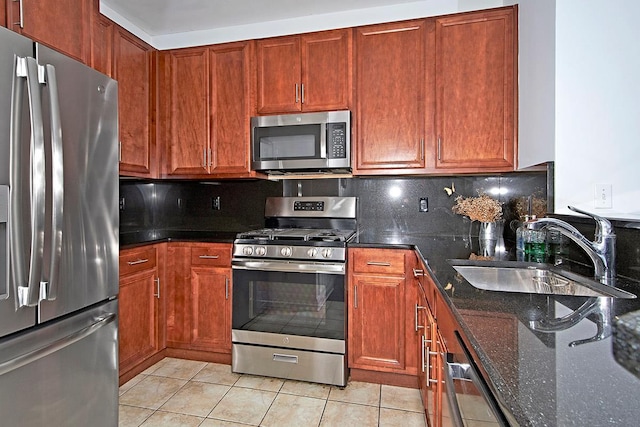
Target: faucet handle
[{"x": 603, "y": 225}]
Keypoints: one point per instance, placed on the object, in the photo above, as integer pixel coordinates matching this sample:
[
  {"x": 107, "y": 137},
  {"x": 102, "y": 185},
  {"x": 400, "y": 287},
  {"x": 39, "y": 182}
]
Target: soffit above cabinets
[{"x": 167, "y": 24}]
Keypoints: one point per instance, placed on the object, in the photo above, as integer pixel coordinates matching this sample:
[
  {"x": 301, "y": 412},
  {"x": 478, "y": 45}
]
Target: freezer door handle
[
  {"x": 57, "y": 183},
  {"x": 32, "y": 356},
  {"x": 28, "y": 285}
]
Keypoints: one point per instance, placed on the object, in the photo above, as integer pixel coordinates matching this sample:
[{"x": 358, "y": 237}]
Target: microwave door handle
[
  {"x": 57, "y": 182},
  {"x": 28, "y": 285},
  {"x": 324, "y": 129}
]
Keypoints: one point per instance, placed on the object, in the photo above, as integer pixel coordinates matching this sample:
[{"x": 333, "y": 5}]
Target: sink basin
[{"x": 531, "y": 278}]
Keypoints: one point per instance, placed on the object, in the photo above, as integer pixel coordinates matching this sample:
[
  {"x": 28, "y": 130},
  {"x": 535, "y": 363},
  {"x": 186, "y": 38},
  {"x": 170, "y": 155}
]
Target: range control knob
[
  {"x": 286, "y": 251},
  {"x": 327, "y": 252},
  {"x": 247, "y": 250},
  {"x": 261, "y": 251},
  {"x": 312, "y": 252}
]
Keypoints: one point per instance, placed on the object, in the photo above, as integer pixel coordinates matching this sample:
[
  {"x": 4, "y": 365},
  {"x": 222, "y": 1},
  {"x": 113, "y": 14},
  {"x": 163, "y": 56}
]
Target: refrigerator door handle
[
  {"x": 57, "y": 183},
  {"x": 28, "y": 285},
  {"x": 32, "y": 356}
]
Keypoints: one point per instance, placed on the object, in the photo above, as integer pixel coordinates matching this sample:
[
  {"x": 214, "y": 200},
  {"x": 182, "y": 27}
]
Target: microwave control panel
[{"x": 336, "y": 140}]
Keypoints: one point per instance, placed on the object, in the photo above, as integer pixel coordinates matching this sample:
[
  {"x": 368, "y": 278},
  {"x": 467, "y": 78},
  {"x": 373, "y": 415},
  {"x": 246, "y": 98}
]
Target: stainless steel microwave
[{"x": 305, "y": 142}]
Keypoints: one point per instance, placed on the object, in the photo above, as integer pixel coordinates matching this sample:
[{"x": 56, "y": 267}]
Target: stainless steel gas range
[{"x": 289, "y": 291}]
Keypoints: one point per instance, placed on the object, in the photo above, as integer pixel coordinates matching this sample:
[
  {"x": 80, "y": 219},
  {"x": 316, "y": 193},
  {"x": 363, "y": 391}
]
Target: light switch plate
[{"x": 602, "y": 196}]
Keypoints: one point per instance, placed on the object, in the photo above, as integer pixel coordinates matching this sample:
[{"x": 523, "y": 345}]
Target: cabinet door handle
[
  {"x": 421, "y": 148},
  {"x": 157, "y": 294},
  {"x": 418, "y": 272},
  {"x": 209, "y": 256},
  {"x": 379, "y": 264},
  {"x": 439, "y": 151},
  {"x": 226, "y": 288},
  {"x": 204, "y": 158},
  {"x": 119, "y": 151},
  {"x": 136, "y": 262},
  {"x": 418, "y": 307},
  {"x": 297, "y": 93},
  {"x": 302, "y": 91},
  {"x": 21, "y": 16},
  {"x": 422, "y": 346},
  {"x": 210, "y": 157},
  {"x": 355, "y": 297}
]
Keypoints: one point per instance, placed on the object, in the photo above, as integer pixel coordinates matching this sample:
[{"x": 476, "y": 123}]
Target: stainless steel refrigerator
[{"x": 58, "y": 239}]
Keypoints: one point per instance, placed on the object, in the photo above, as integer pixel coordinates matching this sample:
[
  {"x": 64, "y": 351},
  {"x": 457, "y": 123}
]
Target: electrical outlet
[
  {"x": 215, "y": 203},
  {"x": 180, "y": 203},
  {"x": 423, "y": 205},
  {"x": 121, "y": 203},
  {"x": 602, "y": 196}
]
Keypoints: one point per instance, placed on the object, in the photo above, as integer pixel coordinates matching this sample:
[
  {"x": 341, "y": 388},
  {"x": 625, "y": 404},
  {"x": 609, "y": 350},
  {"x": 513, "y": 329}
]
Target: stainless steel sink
[{"x": 531, "y": 278}]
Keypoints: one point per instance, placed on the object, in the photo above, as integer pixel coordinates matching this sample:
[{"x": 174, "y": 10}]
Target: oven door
[{"x": 303, "y": 301}]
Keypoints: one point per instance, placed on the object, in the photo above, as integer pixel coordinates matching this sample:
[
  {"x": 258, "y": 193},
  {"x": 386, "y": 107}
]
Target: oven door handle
[{"x": 290, "y": 266}]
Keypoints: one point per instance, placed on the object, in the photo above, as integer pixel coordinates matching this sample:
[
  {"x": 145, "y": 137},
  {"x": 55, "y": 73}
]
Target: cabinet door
[
  {"x": 230, "y": 108},
  {"x": 390, "y": 86},
  {"x": 178, "y": 296},
  {"x": 138, "y": 321},
  {"x": 326, "y": 70},
  {"x": 475, "y": 91},
  {"x": 279, "y": 75},
  {"x": 3, "y": 15},
  {"x": 132, "y": 69},
  {"x": 211, "y": 309},
  {"x": 188, "y": 101},
  {"x": 377, "y": 323},
  {"x": 102, "y": 44},
  {"x": 61, "y": 24}
]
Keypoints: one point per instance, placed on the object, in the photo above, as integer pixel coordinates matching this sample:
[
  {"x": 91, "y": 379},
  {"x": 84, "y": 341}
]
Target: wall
[
  {"x": 536, "y": 91},
  {"x": 597, "y": 108},
  {"x": 579, "y": 99}
]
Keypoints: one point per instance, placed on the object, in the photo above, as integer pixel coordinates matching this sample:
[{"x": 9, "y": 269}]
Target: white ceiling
[
  {"x": 177, "y": 23},
  {"x": 162, "y": 17}
]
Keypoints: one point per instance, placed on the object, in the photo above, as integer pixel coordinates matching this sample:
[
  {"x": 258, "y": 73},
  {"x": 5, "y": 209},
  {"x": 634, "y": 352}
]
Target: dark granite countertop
[
  {"x": 148, "y": 237},
  {"x": 559, "y": 378}
]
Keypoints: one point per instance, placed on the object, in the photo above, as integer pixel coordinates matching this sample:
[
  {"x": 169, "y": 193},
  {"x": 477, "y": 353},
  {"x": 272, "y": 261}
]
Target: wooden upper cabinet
[
  {"x": 188, "y": 144},
  {"x": 61, "y": 24},
  {"x": 231, "y": 106},
  {"x": 304, "y": 73},
  {"x": 132, "y": 67},
  {"x": 102, "y": 44},
  {"x": 475, "y": 90},
  {"x": 209, "y": 104},
  {"x": 3, "y": 15},
  {"x": 390, "y": 104}
]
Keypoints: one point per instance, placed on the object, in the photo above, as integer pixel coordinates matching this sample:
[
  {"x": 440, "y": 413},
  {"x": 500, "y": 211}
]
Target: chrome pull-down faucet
[{"x": 602, "y": 250}]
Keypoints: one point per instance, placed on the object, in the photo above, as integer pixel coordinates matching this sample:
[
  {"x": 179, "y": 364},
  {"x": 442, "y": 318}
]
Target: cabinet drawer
[
  {"x": 135, "y": 260},
  {"x": 211, "y": 255},
  {"x": 378, "y": 261}
]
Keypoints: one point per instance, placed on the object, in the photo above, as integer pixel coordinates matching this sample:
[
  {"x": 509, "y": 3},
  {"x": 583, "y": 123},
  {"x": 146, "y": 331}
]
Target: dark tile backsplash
[{"x": 387, "y": 205}]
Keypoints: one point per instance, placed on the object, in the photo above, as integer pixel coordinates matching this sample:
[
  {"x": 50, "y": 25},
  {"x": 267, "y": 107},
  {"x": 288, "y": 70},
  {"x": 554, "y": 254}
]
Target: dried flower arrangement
[{"x": 482, "y": 208}]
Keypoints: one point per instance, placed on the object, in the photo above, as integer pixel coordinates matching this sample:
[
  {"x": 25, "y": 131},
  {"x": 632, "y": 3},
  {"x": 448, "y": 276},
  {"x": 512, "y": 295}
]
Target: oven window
[
  {"x": 288, "y": 142},
  {"x": 305, "y": 304}
]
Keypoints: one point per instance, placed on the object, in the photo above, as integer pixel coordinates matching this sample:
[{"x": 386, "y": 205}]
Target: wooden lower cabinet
[
  {"x": 199, "y": 298},
  {"x": 381, "y": 334},
  {"x": 141, "y": 320},
  {"x": 211, "y": 309}
]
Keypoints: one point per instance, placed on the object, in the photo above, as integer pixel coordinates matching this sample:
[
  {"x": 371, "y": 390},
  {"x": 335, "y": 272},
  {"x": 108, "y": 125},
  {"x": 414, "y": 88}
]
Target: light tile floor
[{"x": 177, "y": 392}]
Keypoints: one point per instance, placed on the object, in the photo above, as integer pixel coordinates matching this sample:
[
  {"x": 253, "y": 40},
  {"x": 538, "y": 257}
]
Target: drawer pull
[
  {"x": 379, "y": 264},
  {"x": 418, "y": 272},
  {"x": 139, "y": 261},
  {"x": 209, "y": 256},
  {"x": 285, "y": 358}
]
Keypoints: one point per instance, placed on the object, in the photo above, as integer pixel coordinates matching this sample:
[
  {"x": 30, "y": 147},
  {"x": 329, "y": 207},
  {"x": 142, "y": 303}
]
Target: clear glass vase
[{"x": 490, "y": 238}]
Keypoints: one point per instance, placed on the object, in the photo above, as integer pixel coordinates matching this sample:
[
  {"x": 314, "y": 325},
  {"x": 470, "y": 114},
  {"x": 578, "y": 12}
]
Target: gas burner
[{"x": 294, "y": 231}]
